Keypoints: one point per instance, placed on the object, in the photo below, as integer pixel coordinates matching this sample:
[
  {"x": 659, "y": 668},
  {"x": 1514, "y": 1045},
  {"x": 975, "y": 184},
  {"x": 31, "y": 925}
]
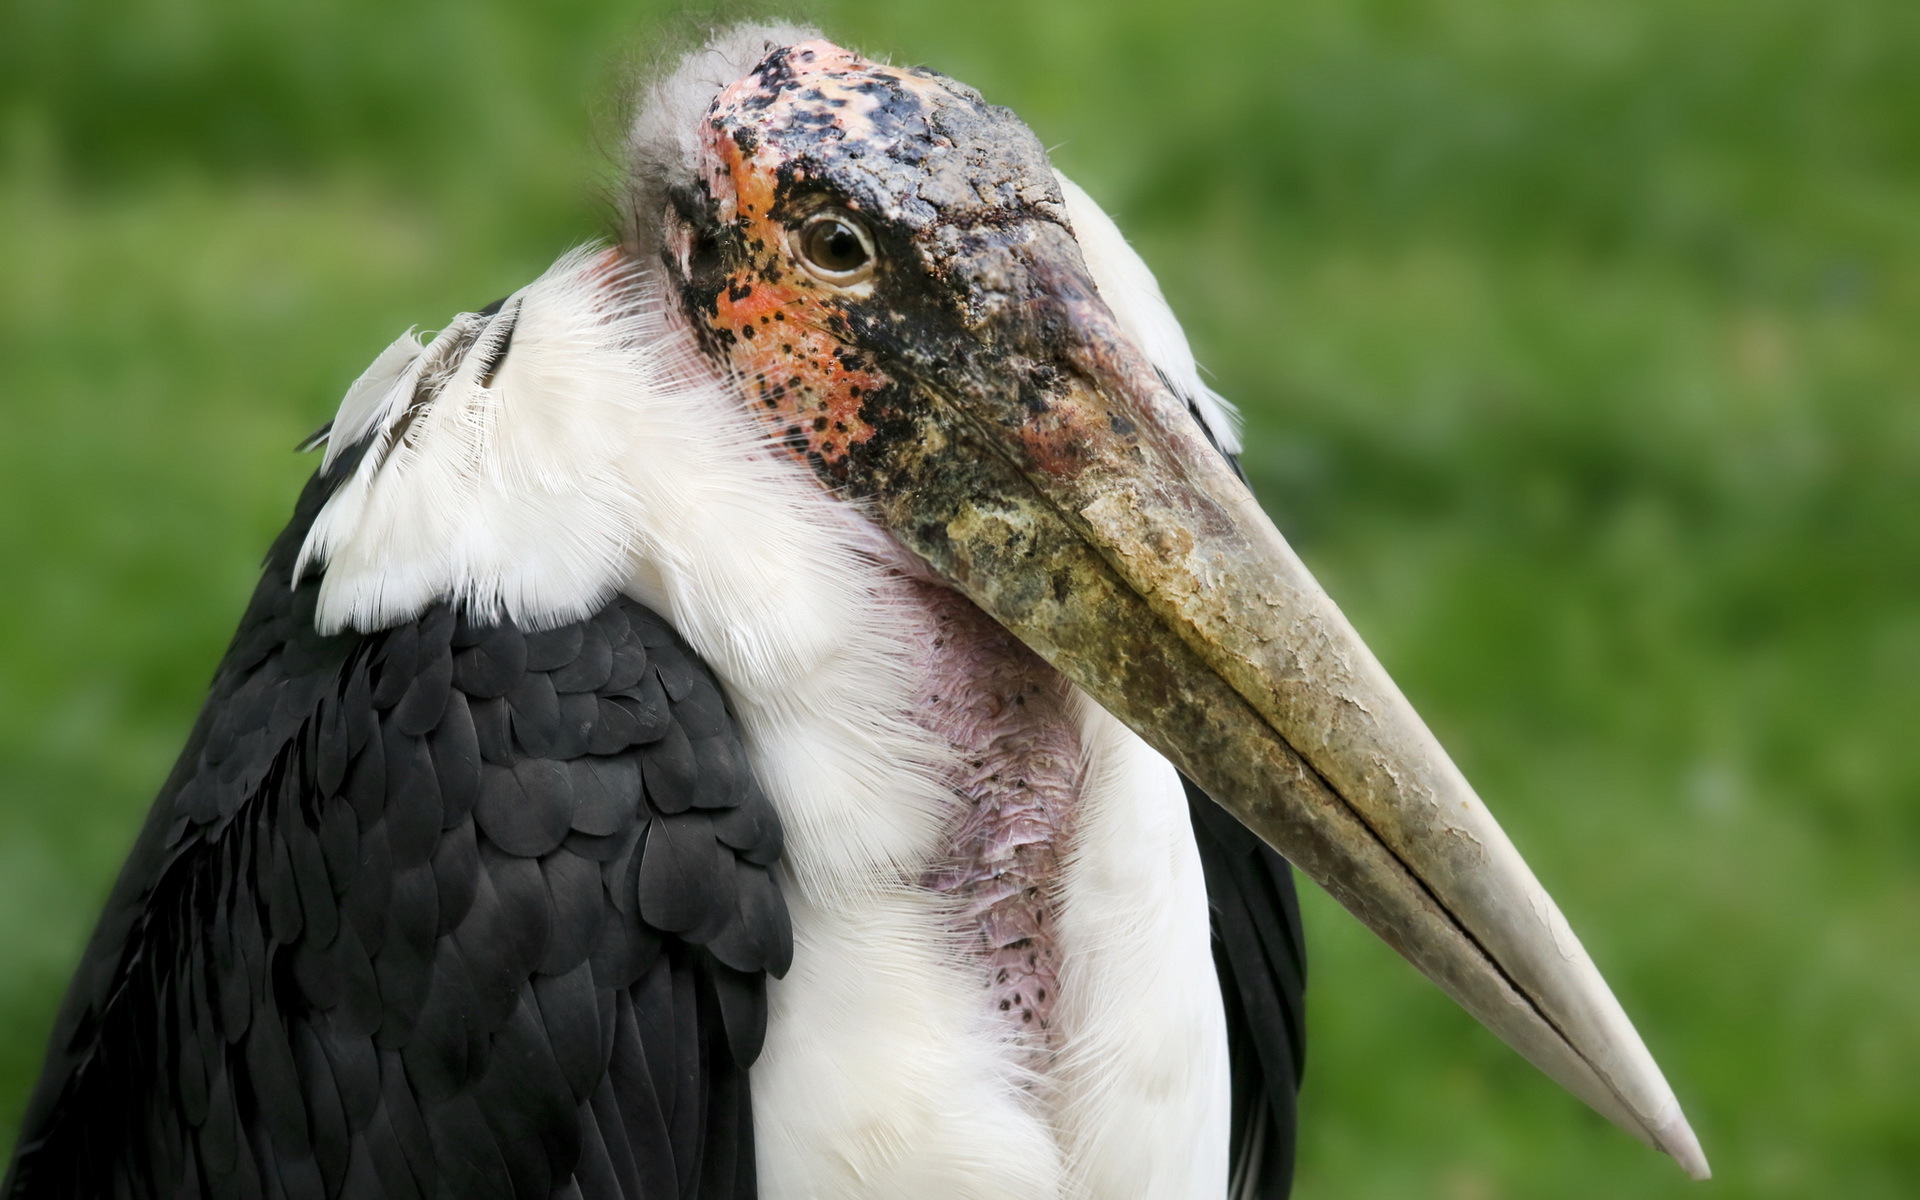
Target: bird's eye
[{"x": 836, "y": 248}]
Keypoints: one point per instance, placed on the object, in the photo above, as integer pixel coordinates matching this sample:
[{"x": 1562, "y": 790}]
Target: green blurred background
[{"x": 1577, "y": 345}]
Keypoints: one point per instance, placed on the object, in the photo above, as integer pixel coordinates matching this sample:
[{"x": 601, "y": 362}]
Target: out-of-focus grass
[{"x": 1577, "y": 343}]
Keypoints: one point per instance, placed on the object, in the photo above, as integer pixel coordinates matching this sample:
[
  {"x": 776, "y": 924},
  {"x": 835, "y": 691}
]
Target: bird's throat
[{"x": 1008, "y": 718}]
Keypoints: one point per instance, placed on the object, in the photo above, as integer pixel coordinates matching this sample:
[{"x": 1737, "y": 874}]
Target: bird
[{"x": 798, "y": 700}]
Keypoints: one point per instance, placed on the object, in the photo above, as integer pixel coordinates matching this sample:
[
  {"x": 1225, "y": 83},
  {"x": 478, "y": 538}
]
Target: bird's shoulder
[{"x": 396, "y": 873}]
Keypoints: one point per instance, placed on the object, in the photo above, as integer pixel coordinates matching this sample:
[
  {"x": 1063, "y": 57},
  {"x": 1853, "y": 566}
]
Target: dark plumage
[
  {"x": 1260, "y": 953},
  {"x": 454, "y": 909}
]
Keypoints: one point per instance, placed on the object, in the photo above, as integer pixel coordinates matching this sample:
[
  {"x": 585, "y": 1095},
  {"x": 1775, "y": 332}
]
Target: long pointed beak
[{"x": 1073, "y": 498}]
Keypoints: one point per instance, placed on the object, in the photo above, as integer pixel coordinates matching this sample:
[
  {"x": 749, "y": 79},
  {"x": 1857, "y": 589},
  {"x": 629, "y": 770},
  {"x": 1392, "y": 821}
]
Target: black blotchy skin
[
  {"x": 448, "y": 910},
  {"x": 961, "y": 202}
]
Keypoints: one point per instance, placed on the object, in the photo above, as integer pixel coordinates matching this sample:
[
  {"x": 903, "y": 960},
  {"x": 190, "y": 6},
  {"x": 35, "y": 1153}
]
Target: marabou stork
[{"x": 767, "y": 651}]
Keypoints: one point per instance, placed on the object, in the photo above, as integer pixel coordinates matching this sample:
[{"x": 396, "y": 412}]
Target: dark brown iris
[{"x": 835, "y": 247}]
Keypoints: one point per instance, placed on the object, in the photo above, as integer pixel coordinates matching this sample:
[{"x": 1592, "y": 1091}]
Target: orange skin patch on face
[
  {"x": 776, "y": 319},
  {"x": 799, "y": 377}
]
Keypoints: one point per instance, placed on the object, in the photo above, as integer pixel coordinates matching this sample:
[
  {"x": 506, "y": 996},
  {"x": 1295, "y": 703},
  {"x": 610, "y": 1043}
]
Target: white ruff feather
[
  {"x": 514, "y": 498},
  {"x": 605, "y": 455}
]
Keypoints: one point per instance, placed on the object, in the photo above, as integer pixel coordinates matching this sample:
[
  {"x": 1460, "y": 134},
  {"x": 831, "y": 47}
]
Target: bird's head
[{"x": 875, "y": 252}]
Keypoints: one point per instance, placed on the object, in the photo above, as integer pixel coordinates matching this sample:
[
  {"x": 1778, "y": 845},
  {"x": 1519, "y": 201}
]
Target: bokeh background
[{"x": 1578, "y": 346}]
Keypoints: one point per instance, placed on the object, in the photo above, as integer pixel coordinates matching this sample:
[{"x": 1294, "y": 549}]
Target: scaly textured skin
[
  {"x": 1008, "y": 714},
  {"x": 836, "y": 373}
]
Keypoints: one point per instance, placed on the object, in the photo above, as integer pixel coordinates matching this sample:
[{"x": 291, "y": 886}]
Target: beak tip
[{"x": 1677, "y": 1139}]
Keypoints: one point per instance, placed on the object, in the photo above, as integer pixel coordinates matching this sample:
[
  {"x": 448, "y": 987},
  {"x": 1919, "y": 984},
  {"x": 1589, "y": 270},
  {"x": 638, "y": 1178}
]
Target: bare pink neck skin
[{"x": 1007, "y": 715}]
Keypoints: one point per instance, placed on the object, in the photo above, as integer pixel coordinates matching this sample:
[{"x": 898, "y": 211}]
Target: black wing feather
[
  {"x": 410, "y": 919},
  {"x": 1260, "y": 955}
]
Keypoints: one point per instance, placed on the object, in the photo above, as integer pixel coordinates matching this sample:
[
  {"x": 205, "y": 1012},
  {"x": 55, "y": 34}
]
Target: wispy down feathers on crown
[{"x": 667, "y": 112}]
